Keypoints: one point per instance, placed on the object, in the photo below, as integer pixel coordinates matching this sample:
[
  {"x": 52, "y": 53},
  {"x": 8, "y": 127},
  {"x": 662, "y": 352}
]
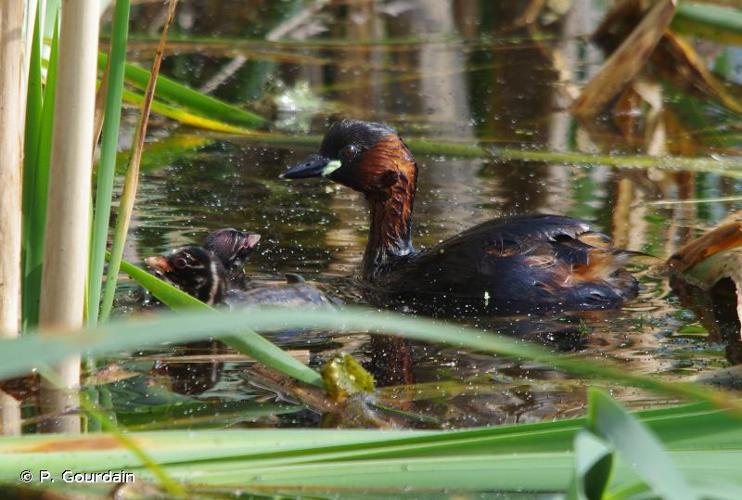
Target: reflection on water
[{"x": 483, "y": 76}]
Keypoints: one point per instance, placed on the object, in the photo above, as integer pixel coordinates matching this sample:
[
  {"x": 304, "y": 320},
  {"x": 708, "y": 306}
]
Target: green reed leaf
[
  {"x": 706, "y": 444},
  {"x": 34, "y": 110},
  {"x": 715, "y": 22},
  {"x": 38, "y": 191},
  {"x": 190, "y": 99},
  {"x": 247, "y": 342},
  {"x": 638, "y": 446},
  {"x": 22, "y": 354},
  {"x": 593, "y": 466},
  {"x": 108, "y": 150}
]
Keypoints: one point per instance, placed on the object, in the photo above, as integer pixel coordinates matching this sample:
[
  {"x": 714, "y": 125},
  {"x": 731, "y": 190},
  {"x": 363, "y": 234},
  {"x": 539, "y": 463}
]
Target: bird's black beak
[{"x": 314, "y": 166}]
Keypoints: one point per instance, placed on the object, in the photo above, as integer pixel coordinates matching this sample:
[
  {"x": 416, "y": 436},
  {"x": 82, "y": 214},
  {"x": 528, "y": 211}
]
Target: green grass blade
[
  {"x": 50, "y": 17},
  {"x": 533, "y": 472},
  {"x": 38, "y": 197},
  {"x": 200, "y": 413},
  {"x": 593, "y": 465},
  {"x": 158, "y": 155},
  {"x": 248, "y": 342},
  {"x": 174, "y": 488},
  {"x": 20, "y": 355},
  {"x": 187, "y": 117},
  {"x": 726, "y": 166},
  {"x": 165, "y": 292},
  {"x": 723, "y": 24},
  {"x": 34, "y": 108},
  {"x": 638, "y": 446},
  {"x": 189, "y": 98},
  {"x": 131, "y": 179},
  {"x": 220, "y": 454},
  {"x": 109, "y": 148}
]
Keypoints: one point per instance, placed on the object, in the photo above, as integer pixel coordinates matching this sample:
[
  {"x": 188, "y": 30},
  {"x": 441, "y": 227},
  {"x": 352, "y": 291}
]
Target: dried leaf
[
  {"x": 626, "y": 62},
  {"x": 722, "y": 238},
  {"x": 618, "y": 23},
  {"x": 108, "y": 375},
  {"x": 677, "y": 61},
  {"x": 625, "y": 115},
  {"x": 674, "y": 59},
  {"x": 707, "y": 275}
]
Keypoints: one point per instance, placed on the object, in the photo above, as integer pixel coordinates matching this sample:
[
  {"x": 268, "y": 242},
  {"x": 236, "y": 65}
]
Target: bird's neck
[
  {"x": 390, "y": 232},
  {"x": 214, "y": 288}
]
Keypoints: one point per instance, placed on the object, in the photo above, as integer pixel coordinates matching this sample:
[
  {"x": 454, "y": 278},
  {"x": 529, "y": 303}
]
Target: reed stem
[
  {"x": 12, "y": 97},
  {"x": 66, "y": 242}
]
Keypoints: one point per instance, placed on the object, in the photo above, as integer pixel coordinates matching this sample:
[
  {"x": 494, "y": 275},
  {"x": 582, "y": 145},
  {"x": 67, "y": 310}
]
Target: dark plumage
[
  {"x": 194, "y": 270},
  {"x": 201, "y": 273},
  {"x": 514, "y": 264}
]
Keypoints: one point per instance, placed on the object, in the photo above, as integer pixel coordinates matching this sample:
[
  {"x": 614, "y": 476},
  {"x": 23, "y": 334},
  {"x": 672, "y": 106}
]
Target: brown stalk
[
  {"x": 626, "y": 62},
  {"x": 149, "y": 94},
  {"x": 131, "y": 182},
  {"x": 100, "y": 102},
  {"x": 722, "y": 238}
]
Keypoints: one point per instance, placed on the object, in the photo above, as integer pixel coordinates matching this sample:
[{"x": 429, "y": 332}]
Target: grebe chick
[
  {"x": 193, "y": 269},
  {"x": 201, "y": 274}
]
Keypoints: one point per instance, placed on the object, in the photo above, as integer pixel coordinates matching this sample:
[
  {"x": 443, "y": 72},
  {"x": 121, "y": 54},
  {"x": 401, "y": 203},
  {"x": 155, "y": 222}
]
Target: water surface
[{"x": 459, "y": 71}]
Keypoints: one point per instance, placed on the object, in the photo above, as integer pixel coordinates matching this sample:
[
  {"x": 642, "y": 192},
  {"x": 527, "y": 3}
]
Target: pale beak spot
[{"x": 331, "y": 167}]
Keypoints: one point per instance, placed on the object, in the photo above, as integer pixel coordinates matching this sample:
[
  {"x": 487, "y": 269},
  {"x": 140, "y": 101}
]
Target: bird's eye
[
  {"x": 180, "y": 263},
  {"x": 348, "y": 152}
]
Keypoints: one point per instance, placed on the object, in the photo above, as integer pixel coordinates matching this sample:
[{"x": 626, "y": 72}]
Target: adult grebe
[{"x": 514, "y": 264}]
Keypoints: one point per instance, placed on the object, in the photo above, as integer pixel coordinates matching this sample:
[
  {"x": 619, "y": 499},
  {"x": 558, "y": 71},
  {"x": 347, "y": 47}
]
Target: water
[{"x": 492, "y": 82}]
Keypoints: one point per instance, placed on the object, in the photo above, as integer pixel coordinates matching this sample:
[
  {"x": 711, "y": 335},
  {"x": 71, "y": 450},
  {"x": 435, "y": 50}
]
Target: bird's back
[{"x": 515, "y": 264}]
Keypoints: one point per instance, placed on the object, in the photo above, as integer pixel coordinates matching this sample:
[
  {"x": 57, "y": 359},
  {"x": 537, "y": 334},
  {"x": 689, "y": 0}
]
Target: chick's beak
[
  {"x": 314, "y": 166},
  {"x": 158, "y": 263},
  {"x": 251, "y": 241}
]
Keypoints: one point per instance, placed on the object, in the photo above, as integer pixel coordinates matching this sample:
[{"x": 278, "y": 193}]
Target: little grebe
[
  {"x": 201, "y": 273},
  {"x": 514, "y": 264}
]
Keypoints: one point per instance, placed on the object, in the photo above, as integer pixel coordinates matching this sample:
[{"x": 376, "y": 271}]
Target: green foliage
[
  {"x": 593, "y": 467},
  {"x": 715, "y": 22},
  {"x": 638, "y": 446},
  {"x": 34, "y": 110},
  {"x": 189, "y": 99},
  {"x": 108, "y": 150},
  {"x": 131, "y": 179},
  {"x": 40, "y": 118},
  {"x": 247, "y": 342},
  {"x": 344, "y": 376},
  {"x": 706, "y": 446},
  {"x": 23, "y": 354}
]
